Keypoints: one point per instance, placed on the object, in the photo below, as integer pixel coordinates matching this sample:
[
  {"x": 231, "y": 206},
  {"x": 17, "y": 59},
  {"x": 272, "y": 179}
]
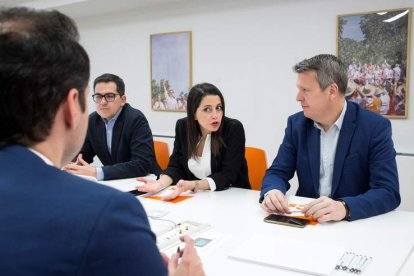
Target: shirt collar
[
  {"x": 41, "y": 156},
  {"x": 113, "y": 119},
  {"x": 338, "y": 121}
]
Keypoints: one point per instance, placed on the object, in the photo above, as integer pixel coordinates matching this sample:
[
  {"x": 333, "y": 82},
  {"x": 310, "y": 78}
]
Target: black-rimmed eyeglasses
[{"x": 109, "y": 97}]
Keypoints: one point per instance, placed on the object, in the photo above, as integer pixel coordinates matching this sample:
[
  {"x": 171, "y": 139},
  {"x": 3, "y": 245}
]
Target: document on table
[
  {"x": 300, "y": 256},
  {"x": 125, "y": 185},
  {"x": 320, "y": 258}
]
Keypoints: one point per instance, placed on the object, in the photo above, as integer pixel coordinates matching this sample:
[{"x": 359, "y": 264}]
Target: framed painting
[
  {"x": 171, "y": 70},
  {"x": 375, "y": 48}
]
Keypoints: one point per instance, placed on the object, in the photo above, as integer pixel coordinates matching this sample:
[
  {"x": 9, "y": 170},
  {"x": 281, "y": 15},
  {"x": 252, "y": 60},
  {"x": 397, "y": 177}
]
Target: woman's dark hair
[{"x": 196, "y": 94}]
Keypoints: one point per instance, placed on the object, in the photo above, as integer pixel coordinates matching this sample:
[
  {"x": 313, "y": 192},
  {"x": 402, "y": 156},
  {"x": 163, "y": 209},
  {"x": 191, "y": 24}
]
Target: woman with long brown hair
[{"x": 208, "y": 148}]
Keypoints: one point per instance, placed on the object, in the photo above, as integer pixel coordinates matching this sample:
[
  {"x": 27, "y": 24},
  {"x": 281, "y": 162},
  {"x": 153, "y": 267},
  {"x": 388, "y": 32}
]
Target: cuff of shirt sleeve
[
  {"x": 99, "y": 173},
  {"x": 211, "y": 183},
  {"x": 265, "y": 195}
]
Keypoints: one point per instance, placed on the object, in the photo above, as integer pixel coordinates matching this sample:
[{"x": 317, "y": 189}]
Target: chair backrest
[
  {"x": 162, "y": 154},
  {"x": 257, "y": 166}
]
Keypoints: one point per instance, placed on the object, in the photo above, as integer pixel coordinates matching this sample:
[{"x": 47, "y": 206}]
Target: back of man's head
[
  {"x": 52, "y": 23},
  {"x": 40, "y": 62}
]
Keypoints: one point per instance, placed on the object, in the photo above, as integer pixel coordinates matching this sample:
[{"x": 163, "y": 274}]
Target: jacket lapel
[
  {"x": 344, "y": 141},
  {"x": 313, "y": 140},
  {"x": 101, "y": 131},
  {"x": 116, "y": 133}
]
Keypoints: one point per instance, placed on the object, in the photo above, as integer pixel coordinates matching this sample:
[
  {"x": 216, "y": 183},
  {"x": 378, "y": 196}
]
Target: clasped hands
[
  {"x": 80, "y": 167},
  {"x": 154, "y": 186},
  {"x": 322, "y": 209}
]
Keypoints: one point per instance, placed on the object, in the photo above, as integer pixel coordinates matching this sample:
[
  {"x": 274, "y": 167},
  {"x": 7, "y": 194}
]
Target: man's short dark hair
[
  {"x": 28, "y": 21},
  {"x": 328, "y": 69},
  {"x": 40, "y": 62},
  {"x": 120, "y": 85}
]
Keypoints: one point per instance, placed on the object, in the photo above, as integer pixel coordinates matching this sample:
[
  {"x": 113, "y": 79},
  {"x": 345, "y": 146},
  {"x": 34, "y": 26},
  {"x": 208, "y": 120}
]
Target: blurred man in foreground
[{"x": 54, "y": 223}]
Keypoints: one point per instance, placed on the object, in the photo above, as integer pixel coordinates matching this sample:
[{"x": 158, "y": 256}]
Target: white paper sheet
[{"x": 300, "y": 256}]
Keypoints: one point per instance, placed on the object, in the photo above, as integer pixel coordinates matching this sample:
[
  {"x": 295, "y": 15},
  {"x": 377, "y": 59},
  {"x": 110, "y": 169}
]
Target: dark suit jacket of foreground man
[
  {"x": 55, "y": 223},
  {"x": 365, "y": 170},
  {"x": 132, "y": 152}
]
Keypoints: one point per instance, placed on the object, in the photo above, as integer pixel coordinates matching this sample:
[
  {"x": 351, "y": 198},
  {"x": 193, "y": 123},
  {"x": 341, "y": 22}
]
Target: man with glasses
[{"x": 118, "y": 134}]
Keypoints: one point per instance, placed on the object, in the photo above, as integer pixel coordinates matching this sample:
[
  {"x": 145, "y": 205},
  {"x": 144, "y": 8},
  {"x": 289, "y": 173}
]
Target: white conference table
[{"x": 235, "y": 216}]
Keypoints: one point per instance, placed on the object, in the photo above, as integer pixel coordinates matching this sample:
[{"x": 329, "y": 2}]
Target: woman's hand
[
  {"x": 181, "y": 187},
  {"x": 150, "y": 185}
]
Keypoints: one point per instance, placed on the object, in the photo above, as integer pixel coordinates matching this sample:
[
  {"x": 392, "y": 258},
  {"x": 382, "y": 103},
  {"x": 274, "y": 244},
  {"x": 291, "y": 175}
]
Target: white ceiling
[{"x": 88, "y": 8}]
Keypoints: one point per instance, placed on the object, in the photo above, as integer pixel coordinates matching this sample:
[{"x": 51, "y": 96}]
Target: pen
[{"x": 179, "y": 253}]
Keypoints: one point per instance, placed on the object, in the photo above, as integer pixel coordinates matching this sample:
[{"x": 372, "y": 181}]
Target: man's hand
[
  {"x": 80, "y": 167},
  {"x": 275, "y": 201},
  {"x": 325, "y": 209},
  {"x": 190, "y": 263},
  {"x": 80, "y": 161}
]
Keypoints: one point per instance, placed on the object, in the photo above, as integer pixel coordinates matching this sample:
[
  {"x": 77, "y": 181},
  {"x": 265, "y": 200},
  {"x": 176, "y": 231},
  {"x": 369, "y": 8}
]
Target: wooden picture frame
[
  {"x": 171, "y": 70},
  {"x": 375, "y": 47}
]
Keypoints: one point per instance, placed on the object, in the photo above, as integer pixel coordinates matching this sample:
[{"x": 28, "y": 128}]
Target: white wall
[
  {"x": 247, "y": 48},
  {"x": 405, "y": 166}
]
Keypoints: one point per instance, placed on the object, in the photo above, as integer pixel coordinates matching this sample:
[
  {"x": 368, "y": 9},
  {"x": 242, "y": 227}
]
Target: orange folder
[{"x": 175, "y": 200}]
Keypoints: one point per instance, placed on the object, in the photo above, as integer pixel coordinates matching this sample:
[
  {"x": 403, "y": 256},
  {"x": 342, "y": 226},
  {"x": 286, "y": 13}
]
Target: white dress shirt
[
  {"x": 44, "y": 158},
  {"x": 201, "y": 166}
]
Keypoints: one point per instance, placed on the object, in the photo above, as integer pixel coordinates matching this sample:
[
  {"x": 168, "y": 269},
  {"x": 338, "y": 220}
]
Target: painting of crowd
[
  {"x": 374, "y": 46},
  {"x": 378, "y": 87},
  {"x": 164, "y": 98}
]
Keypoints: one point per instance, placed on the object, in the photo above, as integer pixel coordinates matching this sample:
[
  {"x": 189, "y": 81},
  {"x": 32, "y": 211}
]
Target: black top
[{"x": 228, "y": 169}]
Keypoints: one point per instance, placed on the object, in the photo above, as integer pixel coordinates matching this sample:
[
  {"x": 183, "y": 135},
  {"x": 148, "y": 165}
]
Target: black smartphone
[
  {"x": 286, "y": 220},
  {"x": 137, "y": 193}
]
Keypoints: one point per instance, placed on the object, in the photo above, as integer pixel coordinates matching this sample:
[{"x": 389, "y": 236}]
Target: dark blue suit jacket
[
  {"x": 365, "y": 170},
  {"x": 227, "y": 169},
  {"x": 54, "y": 223},
  {"x": 132, "y": 151}
]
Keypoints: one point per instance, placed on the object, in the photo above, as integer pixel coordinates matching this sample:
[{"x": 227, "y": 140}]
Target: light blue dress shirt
[
  {"x": 329, "y": 141},
  {"x": 109, "y": 125}
]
